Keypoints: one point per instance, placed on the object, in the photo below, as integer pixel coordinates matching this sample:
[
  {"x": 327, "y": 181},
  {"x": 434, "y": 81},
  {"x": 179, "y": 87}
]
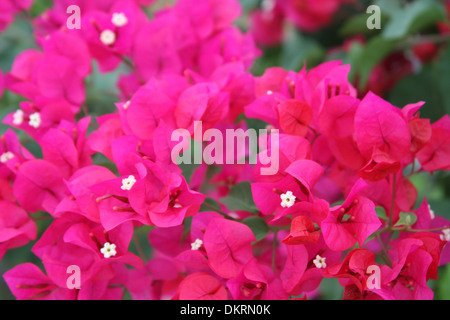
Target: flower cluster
[{"x": 341, "y": 202}]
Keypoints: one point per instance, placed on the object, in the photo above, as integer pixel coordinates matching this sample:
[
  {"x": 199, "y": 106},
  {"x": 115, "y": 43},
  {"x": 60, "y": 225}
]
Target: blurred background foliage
[{"x": 406, "y": 28}]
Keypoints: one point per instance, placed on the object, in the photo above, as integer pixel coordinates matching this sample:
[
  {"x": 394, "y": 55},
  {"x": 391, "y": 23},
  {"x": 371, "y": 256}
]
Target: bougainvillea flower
[
  {"x": 407, "y": 278},
  {"x": 174, "y": 202},
  {"x": 295, "y": 267},
  {"x": 104, "y": 176},
  {"x": 311, "y": 15},
  {"x": 157, "y": 280},
  {"x": 307, "y": 173},
  {"x": 294, "y": 117},
  {"x": 302, "y": 231},
  {"x": 26, "y": 281},
  {"x": 39, "y": 186},
  {"x": 434, "y": 154},
  {"x": 379, "y": 125},
  {"x": 169, "y": 241},
  {"x": 267, "y": 26},
  {"x": 201, "y": 286},
  {"x": 228, "y": 246},
  {"x": 9, "y": 8},
  {"x": 16, "y": 227},
  {"x": 110, "y": 35},
  {"x": 267, "y": 196},
  {"x": 76, "y": 241},
  {"x": 351, "y": 222},
  {"x": 256, "y": 282},
  {"x": 143, "y": 119},
  {"x": 82, "y": 200},
  {"x": 37, "y": 118},
  {"x": 12, "y": 154},
  {"x": 353, "y": 268}
]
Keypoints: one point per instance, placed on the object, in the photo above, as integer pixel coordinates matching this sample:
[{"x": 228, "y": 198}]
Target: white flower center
[
  {"x": 18, "y": 117},
  {"x": 269, "y": 92},
  {"x": 35, "y": 120},
  {"x": 107, "y": 37},
  {"x": 108, "y": 250},
  {"x": 126, "y": 105},
  {"x": 320, "y": 262},
  {"x": 196, "y": 244},
  {"x": 6, "y": 156},
  {"x": 432, "y": 215},
  {"x": 119, "y": 19},
  {"x": 445, "y": 236},
  {"x": 287, "y": 199},
  {"x": 128, "y": 183}
]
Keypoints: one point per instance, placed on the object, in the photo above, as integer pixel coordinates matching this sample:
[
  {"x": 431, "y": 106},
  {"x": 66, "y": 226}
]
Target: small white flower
[
  {"x": 35, "y": 120},
  {"x": 18, "y": 117},
  {"x": 108, "y": 250},
  {"x": 107, "y": 37},
  {"x": 432, "y": 215},
  {"x": 233, "y": 215},
  {"x": 320, "y": 262},
  {"x": 6, "y": 156},
  {"x": 445, "y": 236},
  {"x": 177, "y": 205},
  {"x": 269, "y": 92},
  {"x": 119, "y": 19},
  {"x": 287, "y": 199},
  {"x": 196, "y": 244},
  {"x": 128, "y": 183},
  {"x": 126, "y": 105}
]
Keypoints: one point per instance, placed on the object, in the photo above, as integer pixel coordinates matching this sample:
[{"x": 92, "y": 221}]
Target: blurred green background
[{"x": 402, "y": 28}]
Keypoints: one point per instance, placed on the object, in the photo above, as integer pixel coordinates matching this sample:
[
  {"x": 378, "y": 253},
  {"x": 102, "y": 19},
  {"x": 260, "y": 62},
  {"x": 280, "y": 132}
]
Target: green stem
[
  {"x": 41, "y": 218},
  {"x": 385, "y": 254},
  {"x": 407, "y": 229},
  {"x": 218, "y": 211},
  {"x": 414, "y": 40},
  {"x": 139, "y": 249},
  {"x": 391, "y": 215}
]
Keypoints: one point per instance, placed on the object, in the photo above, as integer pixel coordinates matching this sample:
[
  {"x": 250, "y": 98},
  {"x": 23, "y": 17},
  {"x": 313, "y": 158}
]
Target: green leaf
[
  {"x": 188, "y": 170},
  {"x": 420, "y": 86},
  {"x": 389, "y": 7},
  {"x": 354, "y": 56},
  {"x": 358, "y": 25},
  {"x": 413, "y": 18},
  {"x": 440, "y": 207},
  {"x": 298, "y": 50},
  {"x": 374, "y": 52},
  {"x": 39, "y": 7},
  {"x": 240, "y": 198},
  {"x": 381, "y": 213},
  {"x": 210, "y": 202},
  {"x": 337, "y": 203},
  {"x": 406, "y": 219},
  {"x": 249, "y": 5},
  {"x": 443, "y": 79},
  {"x": 330, "y": 289},
  {"x": 258, "y": 226},
  {"x": 443, "y": 290}
]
